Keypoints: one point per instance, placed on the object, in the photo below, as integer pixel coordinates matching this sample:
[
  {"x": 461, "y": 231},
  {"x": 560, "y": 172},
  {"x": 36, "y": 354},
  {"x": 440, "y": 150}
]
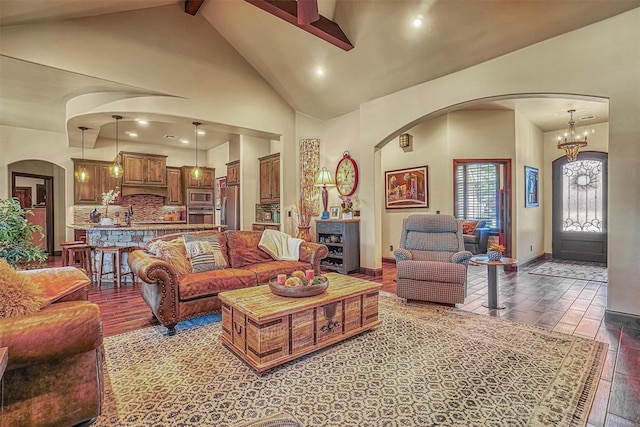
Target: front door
[{"x": 580, "y": 208}]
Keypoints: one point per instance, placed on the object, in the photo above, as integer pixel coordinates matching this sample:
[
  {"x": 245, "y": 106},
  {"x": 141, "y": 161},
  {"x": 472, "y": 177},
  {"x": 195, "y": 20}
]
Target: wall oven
[
  {"x": 200, "y": 206},
  {"x": 200, "y": 198}
]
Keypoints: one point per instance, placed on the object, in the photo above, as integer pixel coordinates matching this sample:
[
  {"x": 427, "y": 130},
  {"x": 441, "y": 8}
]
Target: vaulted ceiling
[{"x": 389, "y": 53}]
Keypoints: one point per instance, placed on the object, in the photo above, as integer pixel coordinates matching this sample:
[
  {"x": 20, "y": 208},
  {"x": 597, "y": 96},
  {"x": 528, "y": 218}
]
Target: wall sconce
[{"x": 405, "y": 140}]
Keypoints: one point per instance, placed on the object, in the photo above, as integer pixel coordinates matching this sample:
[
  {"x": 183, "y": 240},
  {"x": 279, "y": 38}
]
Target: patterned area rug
[
  {"x": 572, "y": 271},
  {"x": 426, "y": 365}
]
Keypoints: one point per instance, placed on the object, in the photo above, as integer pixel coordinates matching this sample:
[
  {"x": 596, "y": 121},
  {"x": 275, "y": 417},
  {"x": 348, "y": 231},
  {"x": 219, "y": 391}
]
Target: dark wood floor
[{"x": 567, "y": 305}]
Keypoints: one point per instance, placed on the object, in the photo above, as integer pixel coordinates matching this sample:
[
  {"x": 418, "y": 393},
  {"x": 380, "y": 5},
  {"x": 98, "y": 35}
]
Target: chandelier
[{"x": 570, "y": 142}]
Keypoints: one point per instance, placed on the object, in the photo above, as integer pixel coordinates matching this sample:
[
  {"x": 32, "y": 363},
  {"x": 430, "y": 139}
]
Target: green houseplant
[{"x": 16, "y": 236}]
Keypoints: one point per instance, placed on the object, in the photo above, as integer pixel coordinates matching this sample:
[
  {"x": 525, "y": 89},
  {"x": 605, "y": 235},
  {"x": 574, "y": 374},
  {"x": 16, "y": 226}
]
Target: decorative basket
[
  {"x": 494, "y": 255},
  {"x": 298, "y": 291}
]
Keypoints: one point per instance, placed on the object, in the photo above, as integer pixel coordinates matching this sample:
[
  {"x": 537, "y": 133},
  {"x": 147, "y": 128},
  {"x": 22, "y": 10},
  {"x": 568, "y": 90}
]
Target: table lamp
[{"x": 323, "y": 179}]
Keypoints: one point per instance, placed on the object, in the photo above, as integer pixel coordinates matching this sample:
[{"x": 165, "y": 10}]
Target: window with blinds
[{"x": 477, "y": 192}]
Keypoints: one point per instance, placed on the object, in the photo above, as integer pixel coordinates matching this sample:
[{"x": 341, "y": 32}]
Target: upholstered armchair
[
  {"x": 431, "y": 261},
  {"x": 475, "y": 236},
  {"x": 54, "y": 375}
]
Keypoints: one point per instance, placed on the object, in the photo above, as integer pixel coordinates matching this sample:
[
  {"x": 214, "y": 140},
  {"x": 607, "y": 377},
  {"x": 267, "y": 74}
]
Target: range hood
[{"x": 139, "y": 190}]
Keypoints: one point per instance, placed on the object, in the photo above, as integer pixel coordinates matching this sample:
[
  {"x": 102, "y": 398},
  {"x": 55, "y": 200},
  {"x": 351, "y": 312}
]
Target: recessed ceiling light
[
  {"x": 320, "y": 71},
  {"x": 201, "y": 132},
  {"x": 184, "y": 141},
  {"x": 142, "y": 122},
  {"x": 132, "y": 134},
  {"x": 417, "y": 21}
]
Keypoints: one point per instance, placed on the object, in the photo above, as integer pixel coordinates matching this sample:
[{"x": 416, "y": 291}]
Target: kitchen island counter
[
  {"x": 177, "y": 226},
  {"x": 135, "y": 235}
]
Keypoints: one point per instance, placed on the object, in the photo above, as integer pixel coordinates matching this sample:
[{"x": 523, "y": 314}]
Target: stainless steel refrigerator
[{"x": 230, "y": 213}]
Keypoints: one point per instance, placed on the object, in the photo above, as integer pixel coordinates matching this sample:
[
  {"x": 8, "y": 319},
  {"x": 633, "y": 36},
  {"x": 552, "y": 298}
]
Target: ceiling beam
[
  {"x": 323, "y": 28},
  {"x": 192, "y": 6},
  {"x": 307, "y": 11}
]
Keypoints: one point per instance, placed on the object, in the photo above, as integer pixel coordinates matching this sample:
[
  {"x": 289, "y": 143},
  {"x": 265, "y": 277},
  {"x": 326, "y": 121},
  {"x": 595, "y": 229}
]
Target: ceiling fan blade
[{"x": 307, "y": 11}]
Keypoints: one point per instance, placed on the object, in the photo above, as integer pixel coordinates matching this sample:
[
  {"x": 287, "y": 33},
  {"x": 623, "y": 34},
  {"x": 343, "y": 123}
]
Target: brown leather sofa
[
  {"x": 173, "y": 297},
  {"x": 54, "y": 375}
]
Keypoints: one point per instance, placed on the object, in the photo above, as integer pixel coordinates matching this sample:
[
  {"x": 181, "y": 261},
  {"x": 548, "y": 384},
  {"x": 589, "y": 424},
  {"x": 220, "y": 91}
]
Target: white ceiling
[{"x": 389, "y": 55}]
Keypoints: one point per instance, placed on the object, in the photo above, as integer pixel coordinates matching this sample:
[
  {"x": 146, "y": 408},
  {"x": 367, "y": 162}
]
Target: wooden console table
[{"x": 266, "y": 330}]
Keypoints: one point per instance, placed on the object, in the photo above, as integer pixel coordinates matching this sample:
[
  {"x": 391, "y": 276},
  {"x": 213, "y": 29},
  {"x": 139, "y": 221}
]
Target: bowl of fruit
[{"x": 299, "y": 284}]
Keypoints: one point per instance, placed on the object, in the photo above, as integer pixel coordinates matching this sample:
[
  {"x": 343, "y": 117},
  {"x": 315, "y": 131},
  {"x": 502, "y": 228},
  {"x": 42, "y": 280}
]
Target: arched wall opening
[
  {"x": 497, "y": 127},
  {"x": 41, "y": 168}
]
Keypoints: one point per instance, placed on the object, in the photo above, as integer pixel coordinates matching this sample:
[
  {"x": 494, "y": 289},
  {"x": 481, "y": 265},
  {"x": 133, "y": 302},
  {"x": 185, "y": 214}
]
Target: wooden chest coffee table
[{"x": 266, "y": 330}]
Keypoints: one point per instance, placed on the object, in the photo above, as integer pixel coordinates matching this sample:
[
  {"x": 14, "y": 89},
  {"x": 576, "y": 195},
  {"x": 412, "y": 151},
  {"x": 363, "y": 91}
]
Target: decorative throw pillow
[
  {"x": 204, "y": 253},
  {"x": 468, "y": 227},
  {"x": 172, "y": 251},
  {"x": 19, "y": 296}
]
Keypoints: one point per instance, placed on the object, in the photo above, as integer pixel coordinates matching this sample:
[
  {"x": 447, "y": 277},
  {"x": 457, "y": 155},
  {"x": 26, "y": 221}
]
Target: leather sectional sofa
[{"x": 173, "y": 296}]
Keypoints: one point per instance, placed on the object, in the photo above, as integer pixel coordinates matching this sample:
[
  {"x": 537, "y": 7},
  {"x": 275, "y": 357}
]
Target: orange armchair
[{"x": 54, "y": 373}]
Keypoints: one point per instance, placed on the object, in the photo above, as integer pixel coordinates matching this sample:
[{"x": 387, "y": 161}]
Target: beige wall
[{"x": 528, "y": 223}]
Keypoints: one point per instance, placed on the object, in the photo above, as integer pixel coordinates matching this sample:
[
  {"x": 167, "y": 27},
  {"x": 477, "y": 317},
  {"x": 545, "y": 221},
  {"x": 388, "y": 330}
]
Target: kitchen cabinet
[
  {"x": 270, "y": 178},
  {"x": 144, "y": 169},
  {"x": 100, "y": 181},
  {"x": 233, "y": 173},
  {"x": 207, "y": 180},
  {"x": 174, "y": 186},
  {"x": 342, "y": 237}
]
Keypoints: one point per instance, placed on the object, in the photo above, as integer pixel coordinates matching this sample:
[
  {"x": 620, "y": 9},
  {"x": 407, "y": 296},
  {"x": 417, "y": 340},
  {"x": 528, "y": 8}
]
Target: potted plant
[
  {"x": 16, "y": 236},
  {"x": 347, "y": 207},
  {"x": 303, "y": 212},
  {"x": 495, "y": 251}
]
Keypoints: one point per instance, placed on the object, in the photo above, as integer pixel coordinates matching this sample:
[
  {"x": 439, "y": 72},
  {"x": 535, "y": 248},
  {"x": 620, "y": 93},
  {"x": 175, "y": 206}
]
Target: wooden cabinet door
[
  {"x": 189, "y": 180},
  {"x": 156, "y": 171},
  {"x": 208, "y": 178},
  {"x": 107, "y": 182},
  {"x": 174, "y": 186},
  {"x": 274, "y": 179},
  {"x": 233, "y": 173},
  {"x": 134, "y": 169},
  {"x": 265, "y": 182},
  {"x": 86, "y": 192}
]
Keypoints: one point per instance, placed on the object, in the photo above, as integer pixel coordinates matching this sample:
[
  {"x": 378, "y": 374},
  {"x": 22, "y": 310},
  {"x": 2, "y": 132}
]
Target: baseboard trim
[
  {"x": 391, "y": 260},
  {"x": 541, "y": 257},
  {"x": 375, "y": 272}
]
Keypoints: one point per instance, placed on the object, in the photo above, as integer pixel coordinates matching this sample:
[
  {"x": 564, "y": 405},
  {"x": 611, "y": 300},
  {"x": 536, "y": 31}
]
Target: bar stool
[
  {"x": 116, "y": 253},
  {"x": 65, "y": 252}
]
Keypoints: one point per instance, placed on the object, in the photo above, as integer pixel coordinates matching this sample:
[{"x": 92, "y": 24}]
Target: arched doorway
[
  {"x": 46, "y": 182},
  {"x": 580, "y": 207}
]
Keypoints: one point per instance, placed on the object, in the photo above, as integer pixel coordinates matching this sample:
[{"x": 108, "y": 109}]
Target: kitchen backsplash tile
[
  {"x": 268, "y": 212},
  {"x": 147, "y": 208}
]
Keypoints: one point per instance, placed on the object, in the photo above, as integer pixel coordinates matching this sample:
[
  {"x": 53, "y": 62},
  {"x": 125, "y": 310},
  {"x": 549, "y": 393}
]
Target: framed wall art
[
  {"x": 407, "y": 188},
  {"x": 531, "y": 187}
]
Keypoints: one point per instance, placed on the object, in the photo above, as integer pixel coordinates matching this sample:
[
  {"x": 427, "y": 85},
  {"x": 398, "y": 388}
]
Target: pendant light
[
  {"x": 196, "y": 173},
  {"x": 116, "y": 168},
  {"x": 81, "y": 173}
]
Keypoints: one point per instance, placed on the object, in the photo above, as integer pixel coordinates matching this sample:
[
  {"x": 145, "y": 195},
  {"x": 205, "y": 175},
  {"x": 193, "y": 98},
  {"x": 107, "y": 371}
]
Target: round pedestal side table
[{"x": 492, "y": 301}]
